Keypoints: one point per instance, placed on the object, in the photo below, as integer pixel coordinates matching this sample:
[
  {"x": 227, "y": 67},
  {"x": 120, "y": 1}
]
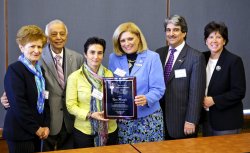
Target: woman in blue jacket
[{"x": 131, "y": 57}]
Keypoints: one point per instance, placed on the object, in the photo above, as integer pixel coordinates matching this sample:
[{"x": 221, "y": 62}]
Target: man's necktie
[
  {"x": 59, "y": 70},
  {"x": 169, "y": 64}
]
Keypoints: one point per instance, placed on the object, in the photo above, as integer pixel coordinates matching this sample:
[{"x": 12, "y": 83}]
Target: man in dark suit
[
  {"x": 61, "y": 122},
  {"x": 185, "y": 80}
]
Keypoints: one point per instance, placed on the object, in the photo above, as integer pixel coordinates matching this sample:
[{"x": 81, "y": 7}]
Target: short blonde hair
[
  {"x": 30, "y": 33},
  {"x": 128, "y": 27}
]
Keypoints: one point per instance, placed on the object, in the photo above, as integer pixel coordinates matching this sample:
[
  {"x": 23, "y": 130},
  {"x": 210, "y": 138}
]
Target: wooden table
[
  {"x": 217, "y": 144},
  {"x": 239, "y": 143},
  {"x": 107, "y": 149},
  {"x": 3, "y": 144}
]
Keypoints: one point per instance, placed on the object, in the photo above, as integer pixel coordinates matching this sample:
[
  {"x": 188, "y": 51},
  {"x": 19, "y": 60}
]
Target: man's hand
[
  {"x": 189, "y": 128},
  {"x": 5, "y": 101}
]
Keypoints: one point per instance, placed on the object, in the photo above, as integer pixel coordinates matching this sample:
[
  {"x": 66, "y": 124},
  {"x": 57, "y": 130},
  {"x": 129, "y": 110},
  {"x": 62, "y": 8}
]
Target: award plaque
[{"x": 118, "y": 98}]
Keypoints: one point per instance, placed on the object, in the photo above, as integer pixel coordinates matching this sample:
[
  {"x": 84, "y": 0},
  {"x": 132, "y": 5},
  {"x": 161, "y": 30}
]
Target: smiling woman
[
  {"x": 90, "y": 127},
  {"x": 32, "y": 51},
  {"x": 226, "y": 84},
  {"x": 27, "y": 120},
  {"x": 132, "y": 57},
  {"x": 94, "y": 56},
  {"x": 31, "y": 41}
]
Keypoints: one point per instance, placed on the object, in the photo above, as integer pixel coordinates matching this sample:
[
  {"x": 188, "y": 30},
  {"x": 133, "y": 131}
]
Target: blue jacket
[{"x": 149, "y": 78}]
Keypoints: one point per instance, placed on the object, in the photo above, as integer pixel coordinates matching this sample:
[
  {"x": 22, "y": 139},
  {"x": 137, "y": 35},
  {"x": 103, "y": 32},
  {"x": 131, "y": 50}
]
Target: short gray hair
[
  {"x": 178, "y": 21},
  {"x": 54, "y": 22}
]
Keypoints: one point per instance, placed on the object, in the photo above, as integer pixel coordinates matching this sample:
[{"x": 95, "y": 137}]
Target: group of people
[{"x": 52, "y": 102}]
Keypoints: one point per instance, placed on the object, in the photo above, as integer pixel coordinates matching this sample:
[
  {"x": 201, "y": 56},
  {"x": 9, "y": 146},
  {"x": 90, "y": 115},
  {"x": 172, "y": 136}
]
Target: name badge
[
  {"x": 181, "y": 73},
  {"x": 97, "y": 94},
  {"x": 46, "y": 94},
  {"x": 120, "y": 72}
]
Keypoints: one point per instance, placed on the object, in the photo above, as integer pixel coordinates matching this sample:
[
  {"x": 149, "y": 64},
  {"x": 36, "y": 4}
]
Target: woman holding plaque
[
  {"x": 131, "y": 57},
  {"x": 84, "y": 100}
]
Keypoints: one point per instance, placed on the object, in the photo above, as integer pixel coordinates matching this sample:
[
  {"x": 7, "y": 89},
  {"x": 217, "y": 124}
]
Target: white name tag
[
  {"x": 97, "y": 94},
  {"x": 181, "y": 73},
  {"x": 120, "y": 72},
  {"x": 46, "y": 94}
]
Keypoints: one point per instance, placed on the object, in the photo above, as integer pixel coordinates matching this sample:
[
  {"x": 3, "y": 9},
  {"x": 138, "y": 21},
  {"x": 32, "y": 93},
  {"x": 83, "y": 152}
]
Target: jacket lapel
[
  {"x": 124, "y": 64},
  {"x": 139, "y": 62},
  {"x": 163, "y": 55},
  {"x": 217, "y": 70},
  {"x": 67, "y": 64},
  {"x": 49, "y": 61}
]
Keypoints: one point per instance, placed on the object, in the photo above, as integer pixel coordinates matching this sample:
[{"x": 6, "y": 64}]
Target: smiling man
[
  {"x": 185, "y": 80},
  {"x": 56, "y": 72}
]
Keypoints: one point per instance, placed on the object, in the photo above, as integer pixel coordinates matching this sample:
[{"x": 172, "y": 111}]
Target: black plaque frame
[{"x": 118, "y": 97}]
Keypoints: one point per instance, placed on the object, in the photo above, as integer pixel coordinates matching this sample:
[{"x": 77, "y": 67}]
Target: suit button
[{"x": 61, "y": 109}]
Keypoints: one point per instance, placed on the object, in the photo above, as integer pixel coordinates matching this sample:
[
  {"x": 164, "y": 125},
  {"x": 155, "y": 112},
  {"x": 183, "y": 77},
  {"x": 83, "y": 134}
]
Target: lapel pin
[
  {"x": 218, "y": 68},
  {"x": 180, "y": 60}
]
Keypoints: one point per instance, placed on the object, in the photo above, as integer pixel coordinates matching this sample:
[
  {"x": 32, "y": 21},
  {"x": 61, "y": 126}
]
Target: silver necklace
[{"x": 130, "y": 63}]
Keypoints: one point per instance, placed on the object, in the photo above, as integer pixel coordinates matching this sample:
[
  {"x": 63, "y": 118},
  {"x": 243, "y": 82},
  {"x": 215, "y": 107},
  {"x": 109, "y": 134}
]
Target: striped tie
[
  {"x": 169, "y": 65},
  {"x": 59, "y": 71}
]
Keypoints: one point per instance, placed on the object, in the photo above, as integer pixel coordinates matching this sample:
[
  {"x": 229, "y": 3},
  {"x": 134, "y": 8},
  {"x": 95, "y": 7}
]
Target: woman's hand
[
  {"x": 140, "y": 100},
  {"x": 43, "y": 132},
  {"x": 98, "y": 116},
  {"x": 208, "y": 102}
]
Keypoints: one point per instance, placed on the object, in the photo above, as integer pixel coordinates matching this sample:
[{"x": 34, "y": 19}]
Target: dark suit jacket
[
  {"x": 22, "y": 119},
  {"x": 58, "y": 112},
  {"x": 227, "y": 87},
  {"x": 184, "y": 96}
]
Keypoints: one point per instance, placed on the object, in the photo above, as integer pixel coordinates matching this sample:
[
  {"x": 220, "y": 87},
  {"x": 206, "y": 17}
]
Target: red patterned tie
[
  {"x": 59, "y": 70},
  {"x": 169, "y": 64}
]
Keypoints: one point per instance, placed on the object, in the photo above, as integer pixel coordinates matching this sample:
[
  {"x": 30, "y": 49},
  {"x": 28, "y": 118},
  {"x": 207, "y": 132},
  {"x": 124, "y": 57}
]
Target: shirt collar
[
  {"x": 179, "y": 48},
  {"x": 54, "y": 54}
]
